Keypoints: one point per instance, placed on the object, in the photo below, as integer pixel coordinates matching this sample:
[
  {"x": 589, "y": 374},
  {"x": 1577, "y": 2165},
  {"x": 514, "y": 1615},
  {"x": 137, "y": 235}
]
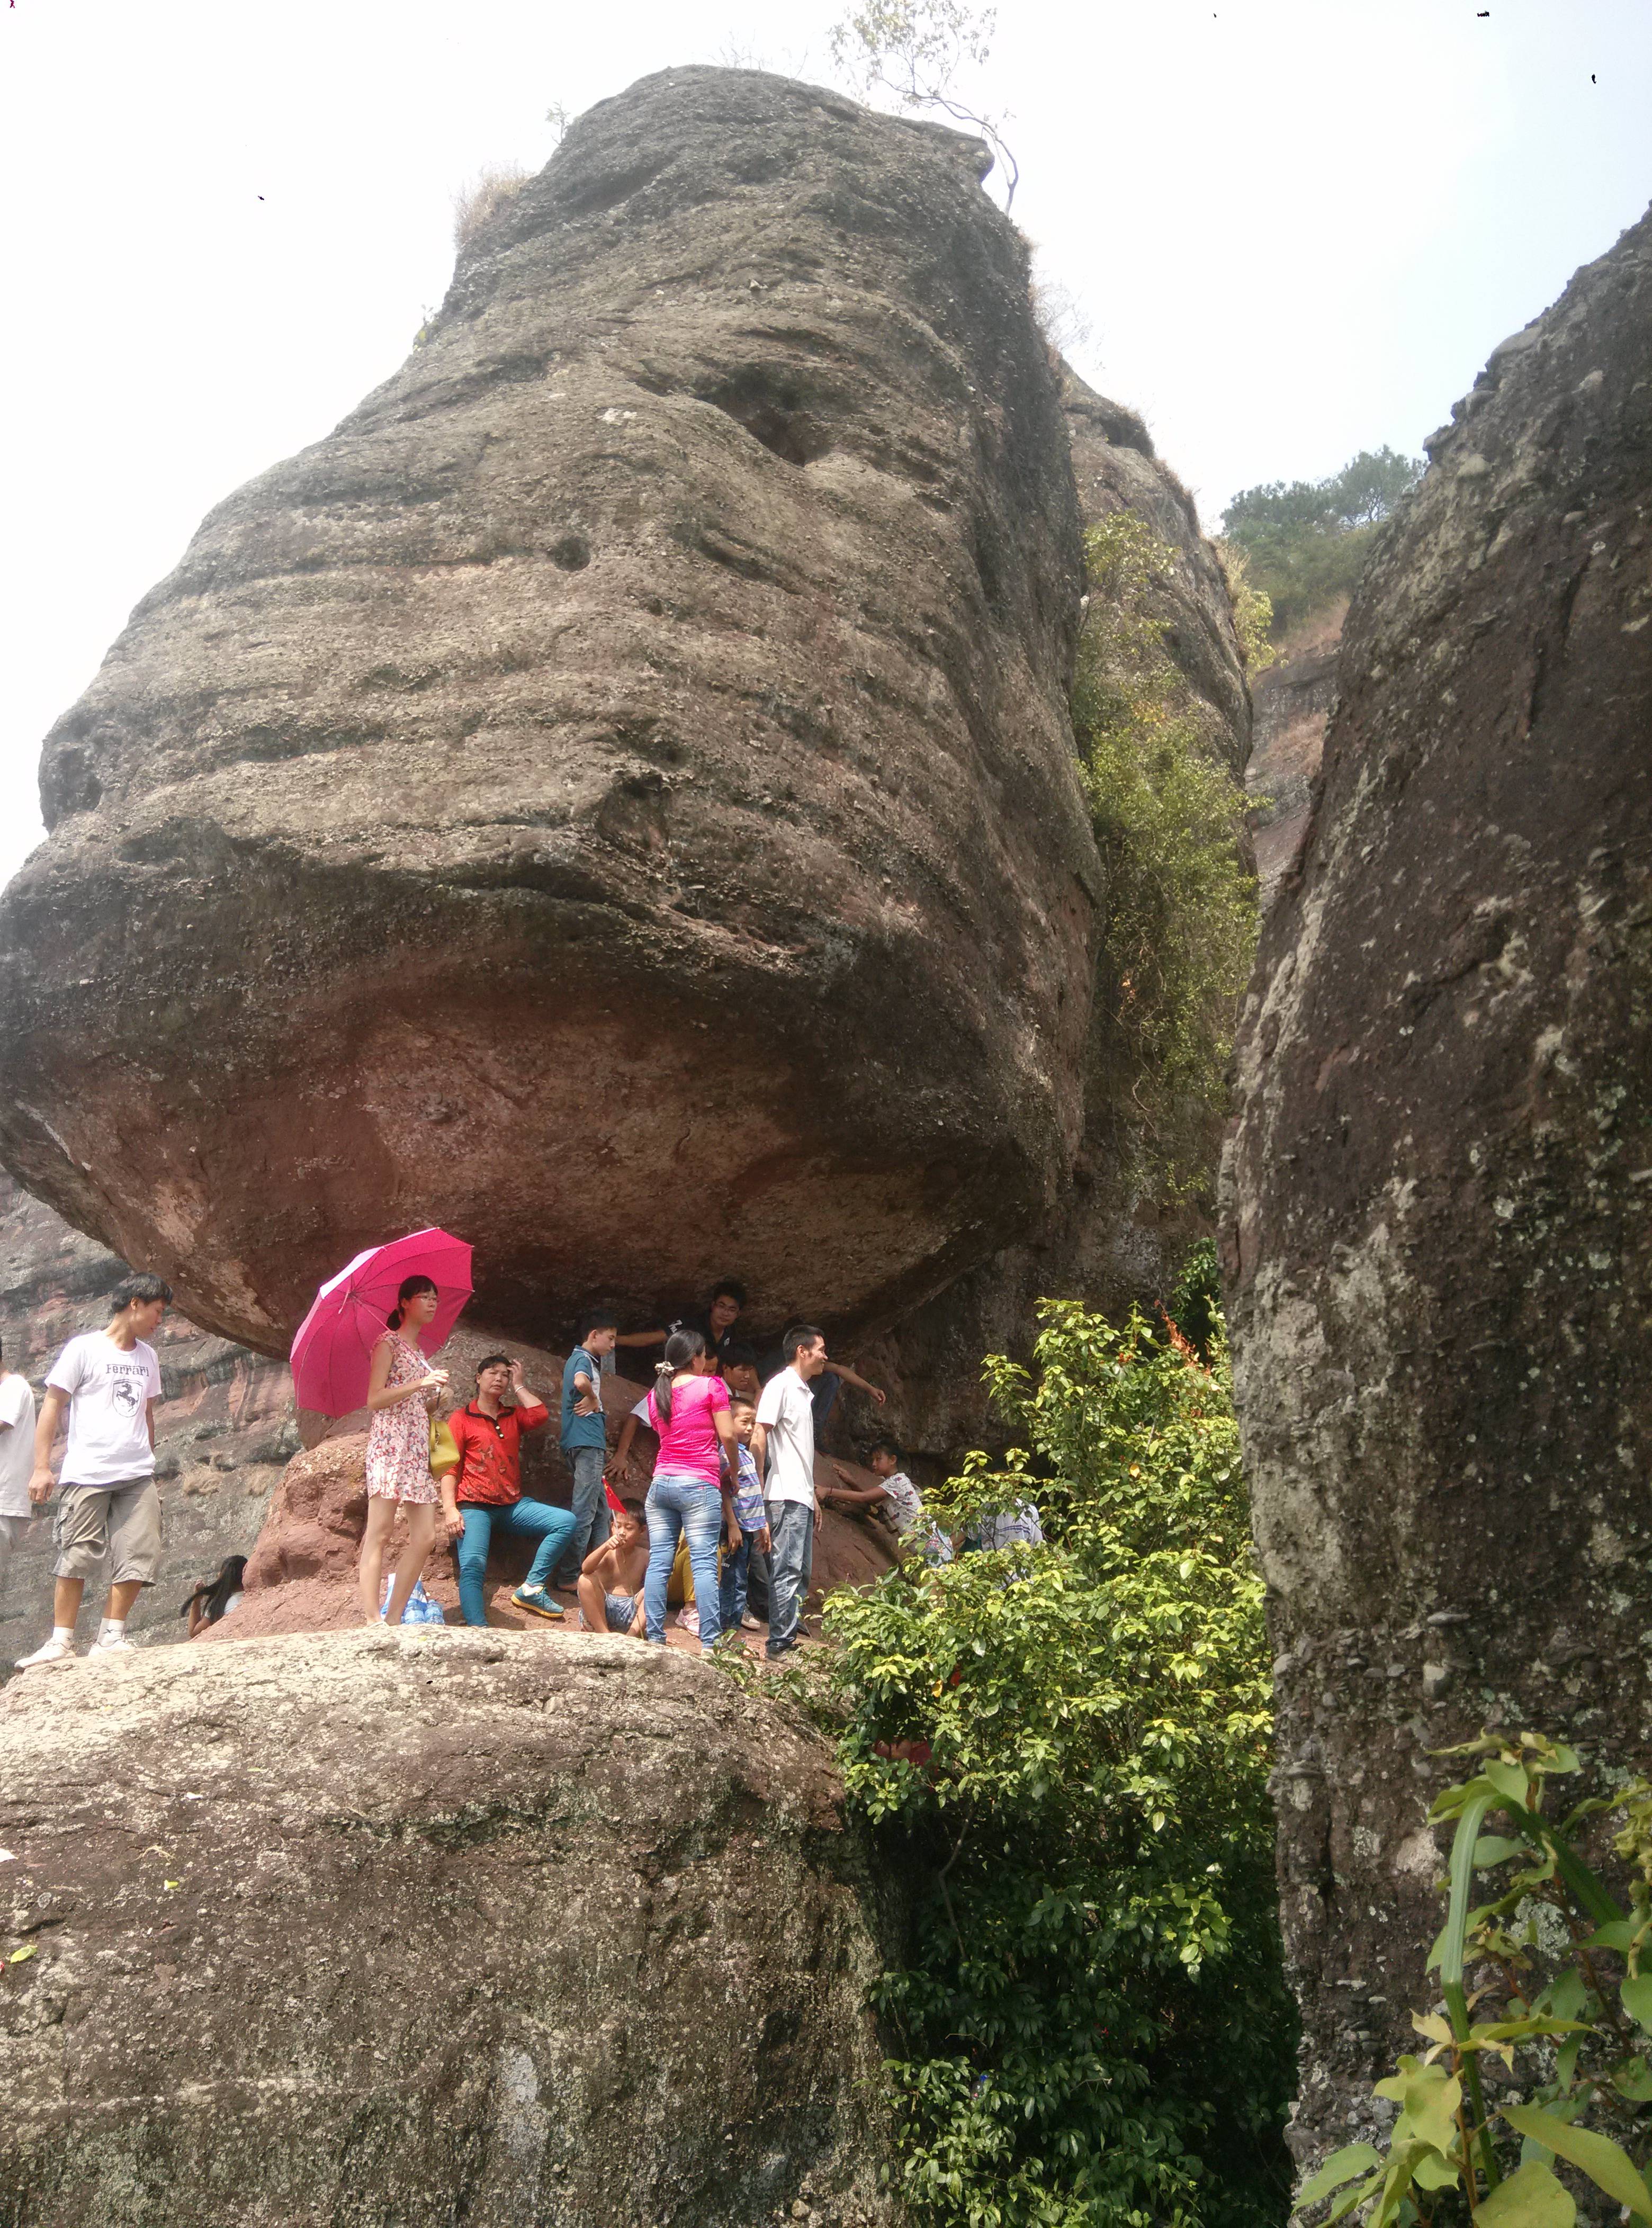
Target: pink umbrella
[{"x": 333, "y": 1352}]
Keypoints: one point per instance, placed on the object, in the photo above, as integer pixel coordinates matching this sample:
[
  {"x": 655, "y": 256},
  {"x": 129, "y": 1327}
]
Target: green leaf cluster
[
  {"x": 1572, "y": 2037},
  {"x": 1306, "y": 542},
  {"x": 1180, "y": 895},
  {"x": 1069, "y": 1744}
]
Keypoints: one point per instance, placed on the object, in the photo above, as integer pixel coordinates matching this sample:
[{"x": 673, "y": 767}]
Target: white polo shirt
[{"x": 787, "y": 1408}]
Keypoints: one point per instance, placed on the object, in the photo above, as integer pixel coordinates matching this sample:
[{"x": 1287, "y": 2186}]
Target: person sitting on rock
[
  {"x": 214, "y": 1598},
  {"x": 611, "y": 1583},
  {"x": 893, "y": 1496},
  {"x": 401, "y": 1391},
  {"x": 485, "y": 1493},
  {"x": 752, "y": 1518},
  {"x": 109, "y": 1509}
]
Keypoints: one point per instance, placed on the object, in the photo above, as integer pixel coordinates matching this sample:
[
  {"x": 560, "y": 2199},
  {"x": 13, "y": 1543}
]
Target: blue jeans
[
  {"x": 528, "y": 1520},
  {"x": 678, "y": 1504},
  {"x": 592, "y": 1522},
  {"x": 791, "y": 1562},
  {"x": 736, "y": 1569}
]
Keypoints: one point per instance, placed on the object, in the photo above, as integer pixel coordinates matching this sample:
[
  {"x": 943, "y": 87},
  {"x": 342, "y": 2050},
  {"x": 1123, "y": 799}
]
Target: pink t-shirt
[{"x": 688, "y": 1443}]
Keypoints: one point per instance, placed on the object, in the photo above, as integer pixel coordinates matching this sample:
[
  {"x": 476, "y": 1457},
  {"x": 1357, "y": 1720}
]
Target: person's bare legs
[
  {"x": 123, "y": 1600},
  {"x": 66, "y": 1601},
  {"x": 421, "y": 1538},
  {"x": 592, "y": 1606},
  {"x": 380, "y": 1515}
]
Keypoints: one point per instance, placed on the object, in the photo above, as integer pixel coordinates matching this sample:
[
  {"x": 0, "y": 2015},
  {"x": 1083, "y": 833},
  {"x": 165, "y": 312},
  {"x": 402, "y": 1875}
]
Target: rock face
[
  {"x": 418, "y": 1928},
  {"x": 649, "y": 702},
  {"x": 223, "y": 1430},
  {"x": 1438, "y": 1195},
  {"x": 1106, "y": 1243},
  {"x": 1293, "y": 699}
]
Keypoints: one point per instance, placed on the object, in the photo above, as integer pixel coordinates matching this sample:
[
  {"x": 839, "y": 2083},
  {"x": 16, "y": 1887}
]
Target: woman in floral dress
[{"x": 402, "y": 1390}]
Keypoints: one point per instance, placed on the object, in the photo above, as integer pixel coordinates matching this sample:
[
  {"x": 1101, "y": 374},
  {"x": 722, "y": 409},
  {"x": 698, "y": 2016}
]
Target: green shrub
[
  {"x": 1071, "y": 1741},
  {"x": 1571, "y": 2036},
  {"x": 1180, "y": 899}
]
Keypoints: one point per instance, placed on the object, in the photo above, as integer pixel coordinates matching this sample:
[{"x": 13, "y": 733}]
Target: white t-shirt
[
  {"x": 109, "y": 1394},
  {"x": 906, "y": 1508},
  {"x": 16, "y": 1444},
  {"x": 788, "y": 1408}
]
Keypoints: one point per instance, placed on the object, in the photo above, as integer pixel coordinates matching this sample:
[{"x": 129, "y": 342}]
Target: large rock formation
[
  {"x": 223, "y": 1430},
  {"x": 1292, "y": 700},
  {"x": 1441, "y": 1185},
  {"x": 615, "y": 795},
  {"x": 428, "y": 1927},
  {"x": 1111, "y": 1240}
]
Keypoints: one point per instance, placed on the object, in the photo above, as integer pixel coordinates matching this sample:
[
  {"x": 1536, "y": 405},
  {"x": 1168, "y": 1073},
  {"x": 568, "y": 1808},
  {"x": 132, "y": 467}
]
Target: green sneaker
[{"x": 538, "y": 1603}]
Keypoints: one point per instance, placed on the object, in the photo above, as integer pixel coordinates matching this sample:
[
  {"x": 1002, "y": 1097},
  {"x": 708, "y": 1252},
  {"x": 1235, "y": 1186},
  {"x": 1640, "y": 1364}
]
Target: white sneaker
[
  {"x": 110, "y": 1647},
  {"x": 54, "y": 1651}
]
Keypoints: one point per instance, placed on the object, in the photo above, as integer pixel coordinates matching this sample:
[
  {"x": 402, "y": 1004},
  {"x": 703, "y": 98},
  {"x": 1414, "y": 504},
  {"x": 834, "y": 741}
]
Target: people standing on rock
[
  {"x": 584, "y": 1440},
  {"x": 16, "y": 1460},
  {"x": 689, "y": 1409},
  {"x": 783, "y": 1445},
  {"x": 213, "y": 1598},
  {"x": 402, "y": 1392},
  {"x": 610, "y": 1580},
  {"x": 483, "y": 1496},
  {"x": 750, "y": 1515},
  {"x": 108, "y": 1506}
]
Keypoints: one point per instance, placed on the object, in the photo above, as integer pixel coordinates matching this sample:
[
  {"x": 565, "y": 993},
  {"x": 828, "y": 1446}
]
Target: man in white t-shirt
[
  {"x": 782, "y": 1446},
  {"x": 16, "y": 1460},
  {"x": 109, "y": 1381}
]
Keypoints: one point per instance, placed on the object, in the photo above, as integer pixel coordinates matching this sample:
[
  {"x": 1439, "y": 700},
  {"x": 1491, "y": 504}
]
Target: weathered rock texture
[
  {"x": 410, "y": 1929},
  {"x": 1293, "y": 699},
  {"x": 648, "y": 704},
  {"x": 1108, "y": 1242},
  {"x": 223, "y": 1430},
  {"x": 1439, "y": 1197}
]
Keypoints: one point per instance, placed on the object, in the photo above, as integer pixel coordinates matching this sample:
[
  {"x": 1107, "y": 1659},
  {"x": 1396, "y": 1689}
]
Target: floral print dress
[{"x": 398, "y": 1439}]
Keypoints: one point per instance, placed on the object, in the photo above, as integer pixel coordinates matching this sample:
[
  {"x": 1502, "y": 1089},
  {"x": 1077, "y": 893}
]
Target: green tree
[
  {"x": 1074, "y": 1740},
  {"x": 1306, "y": 542},
  {"x": 912, "y": 51},
  {"x": 1168, "y": 818}
]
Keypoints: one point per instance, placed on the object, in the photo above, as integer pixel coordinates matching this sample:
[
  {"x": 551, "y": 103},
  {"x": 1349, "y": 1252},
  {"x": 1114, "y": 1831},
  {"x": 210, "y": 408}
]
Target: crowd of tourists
[{"x": 731, "y": 1489}]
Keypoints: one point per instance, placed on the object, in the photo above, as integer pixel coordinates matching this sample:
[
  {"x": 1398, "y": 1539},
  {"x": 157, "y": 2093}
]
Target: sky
[{"x": 1295, "y": 229}]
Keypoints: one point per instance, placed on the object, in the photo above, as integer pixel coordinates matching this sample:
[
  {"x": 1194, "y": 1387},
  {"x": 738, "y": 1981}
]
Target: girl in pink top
[{"x": 688, "y": 1408}]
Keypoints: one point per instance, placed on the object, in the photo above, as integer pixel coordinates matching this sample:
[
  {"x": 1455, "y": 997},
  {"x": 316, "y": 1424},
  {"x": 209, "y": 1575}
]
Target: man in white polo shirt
[
  {"x": 782, "y": 1446},
  {"x": 108, "y": 1509}
]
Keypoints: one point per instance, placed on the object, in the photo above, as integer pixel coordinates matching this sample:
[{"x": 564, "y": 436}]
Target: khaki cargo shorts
[{"x": 122, "y": 1521}]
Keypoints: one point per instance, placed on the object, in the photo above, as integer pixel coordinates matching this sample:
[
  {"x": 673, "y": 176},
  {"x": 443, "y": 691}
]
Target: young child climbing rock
[{"x": 611, "y": 1579}]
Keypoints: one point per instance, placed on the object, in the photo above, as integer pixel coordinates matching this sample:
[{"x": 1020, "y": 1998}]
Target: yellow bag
[{"x": 444, "y": 1447}]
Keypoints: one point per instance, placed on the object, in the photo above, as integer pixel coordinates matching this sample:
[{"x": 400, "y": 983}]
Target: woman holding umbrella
[{"x": 402, "y": 1389}]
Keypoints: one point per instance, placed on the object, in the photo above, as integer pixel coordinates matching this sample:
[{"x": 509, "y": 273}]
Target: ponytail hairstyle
[
  {"x": 681, "y": 1348},
  {"x": 410, "y": 1286}
]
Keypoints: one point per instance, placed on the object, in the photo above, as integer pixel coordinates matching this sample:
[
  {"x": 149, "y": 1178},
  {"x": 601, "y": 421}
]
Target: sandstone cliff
[
  {"x": 615, "y": 795},
  {"x": 1292, "y": 702},
  {"x": 223, "y": 1430},
  {"x": 410, "y": 1929},
  {"x": 1437, "y": 1234}
]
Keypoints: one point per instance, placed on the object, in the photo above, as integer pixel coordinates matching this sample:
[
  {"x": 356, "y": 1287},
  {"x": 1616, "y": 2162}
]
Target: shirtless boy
[{"x": 610, "y": 1577}]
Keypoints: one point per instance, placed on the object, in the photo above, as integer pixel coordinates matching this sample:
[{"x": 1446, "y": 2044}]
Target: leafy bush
[
  {"x": 1306, "y": 542},
  {"x": 1169, "y": 819},
  {"x": 1072, "y": 1741},
  {"x": 1576, "y": 2048}
]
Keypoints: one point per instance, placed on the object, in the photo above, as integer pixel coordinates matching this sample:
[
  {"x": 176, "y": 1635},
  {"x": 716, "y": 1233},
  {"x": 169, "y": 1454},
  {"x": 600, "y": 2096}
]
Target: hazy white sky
[{"x": 1298, "y": 226}]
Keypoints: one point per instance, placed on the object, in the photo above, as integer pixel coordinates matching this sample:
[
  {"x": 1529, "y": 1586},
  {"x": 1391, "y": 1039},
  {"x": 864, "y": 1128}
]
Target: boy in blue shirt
[{"x": 584, "y": 1440}]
